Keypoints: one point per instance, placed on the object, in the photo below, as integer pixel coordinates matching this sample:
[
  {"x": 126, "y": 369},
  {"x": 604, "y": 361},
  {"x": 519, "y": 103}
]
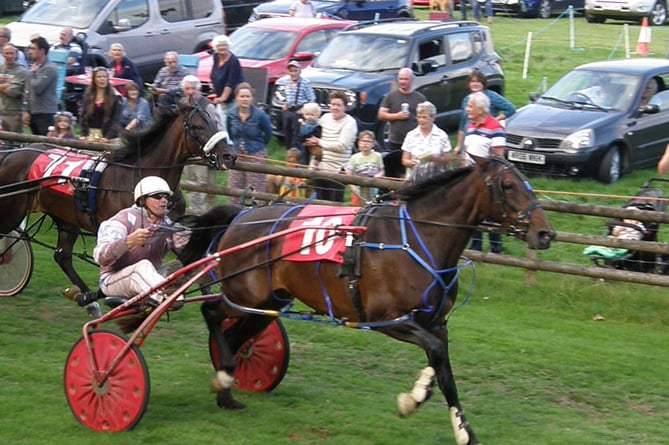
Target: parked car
[
  {"x": 363, "y": 61},
  {"x": 11, "y": 7},
  {"x": 344, "y": 9},
  {"x": 592, "y": 122},
  {"x": 271, "y": 43},
  {"x": 236, "y": 13},
  {"x": 542, "y": 9},
  {"x": 145, "y": 28},
  {"x": 597, "y": 11}
]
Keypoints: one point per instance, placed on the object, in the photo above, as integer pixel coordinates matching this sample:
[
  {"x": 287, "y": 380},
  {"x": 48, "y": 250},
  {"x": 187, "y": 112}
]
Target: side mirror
[
  {"x": 122, "y": 25},
  {"x": 534, "y": 96}
]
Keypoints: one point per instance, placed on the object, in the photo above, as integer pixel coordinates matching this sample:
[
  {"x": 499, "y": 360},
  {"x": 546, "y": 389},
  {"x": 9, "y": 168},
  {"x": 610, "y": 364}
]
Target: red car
[{"x": 271, "y": 43}]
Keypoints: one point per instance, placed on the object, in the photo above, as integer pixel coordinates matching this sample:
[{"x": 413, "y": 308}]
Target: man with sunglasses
[{"x": 132, "y": 244}]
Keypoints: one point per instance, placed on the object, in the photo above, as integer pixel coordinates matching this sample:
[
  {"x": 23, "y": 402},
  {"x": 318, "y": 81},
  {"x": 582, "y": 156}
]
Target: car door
[
  {"x": 647, "y": 134},
  {"x": 368, "y": 9}
]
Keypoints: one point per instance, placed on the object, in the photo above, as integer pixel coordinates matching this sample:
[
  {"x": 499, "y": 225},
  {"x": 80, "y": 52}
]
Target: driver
[{"x": 133, "y": 243}]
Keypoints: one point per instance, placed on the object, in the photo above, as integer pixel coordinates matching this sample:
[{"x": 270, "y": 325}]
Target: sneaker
[{"x": 157, "y": 299}]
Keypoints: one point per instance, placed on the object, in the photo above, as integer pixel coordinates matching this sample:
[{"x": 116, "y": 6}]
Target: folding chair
[{"x": 190, "y": 62}]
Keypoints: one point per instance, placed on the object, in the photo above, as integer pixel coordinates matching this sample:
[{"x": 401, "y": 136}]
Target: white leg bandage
[{"x": 459, "y": 431}]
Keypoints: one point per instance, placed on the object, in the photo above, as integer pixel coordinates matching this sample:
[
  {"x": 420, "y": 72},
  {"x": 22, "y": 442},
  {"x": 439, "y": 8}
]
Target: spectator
[
  {"x": 335, "y": 145},
  {"x": 41, "y": 86},
  {"x": 427, "y": 148},
  {"x": 297, "y": 92},
  {"x": 287, "y": 186},
  {"x": 5, "y": 38},
  {"x": 310, "y": 126},
  {"x": 648, "y": 92},
  {"x": 74, "y": 50},
  {"x": 485, "y": 137},
  {"x": 63, "y": 125},
  {"x": 250, "y": 130},
  {"x": 169, "y": 77},
  {"x": 124, "y": 67},
  {"x": 101, "y": 109},
  {"x": 135, "y": 110},
  {"x": 367, "y": 162},
  {"x": 198, "y": 202},
  {"x": 12, "y": 84},
  {"x": 500, "y": 108},
  {"x": 399, "y": 108},
  {"x": 302, "y": 8},
  {"x": 131, "y": 245},
  {"x": 476, "y": 9},
  {"x": 226, "y": 74},
  {"x": 663, "y": 165}
]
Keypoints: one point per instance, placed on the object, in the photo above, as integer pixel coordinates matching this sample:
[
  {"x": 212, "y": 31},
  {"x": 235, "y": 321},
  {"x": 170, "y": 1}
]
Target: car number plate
[{"x": 530, "y": 158}]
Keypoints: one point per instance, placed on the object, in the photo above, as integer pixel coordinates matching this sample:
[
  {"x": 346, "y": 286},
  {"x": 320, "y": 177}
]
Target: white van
[{"x": 145, "y": 28}]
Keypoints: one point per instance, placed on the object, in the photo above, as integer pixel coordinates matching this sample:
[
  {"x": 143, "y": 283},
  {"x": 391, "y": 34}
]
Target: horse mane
[
  {"x": 447, "y": 179},
  {"x": 205, "y": 228},
  {"x": 136, "y": 144}
]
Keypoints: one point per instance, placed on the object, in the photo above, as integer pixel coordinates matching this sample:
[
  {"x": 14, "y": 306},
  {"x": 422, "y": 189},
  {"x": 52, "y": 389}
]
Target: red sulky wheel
[
  {"x": 120, "y": 402},
  {"x": 262, "y": 361}
]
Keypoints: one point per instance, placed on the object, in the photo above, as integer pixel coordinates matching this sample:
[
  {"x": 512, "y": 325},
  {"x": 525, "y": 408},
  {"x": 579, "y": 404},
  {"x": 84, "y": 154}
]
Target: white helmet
[{"x": 151, "y": 185}]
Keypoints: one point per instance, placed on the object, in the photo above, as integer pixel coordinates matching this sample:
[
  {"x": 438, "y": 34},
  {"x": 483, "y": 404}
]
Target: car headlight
[{"x": 577, "y": 140}]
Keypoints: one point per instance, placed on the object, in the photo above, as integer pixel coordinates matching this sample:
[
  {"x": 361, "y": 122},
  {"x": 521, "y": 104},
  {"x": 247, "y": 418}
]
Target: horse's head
[
  {"x": 513, "y": 204},
  {"x": 213, "y": 145}
]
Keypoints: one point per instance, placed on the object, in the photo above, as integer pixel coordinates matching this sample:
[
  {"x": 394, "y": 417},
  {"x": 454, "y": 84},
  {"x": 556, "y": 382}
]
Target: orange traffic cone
[{"x": 644, "y": 39}]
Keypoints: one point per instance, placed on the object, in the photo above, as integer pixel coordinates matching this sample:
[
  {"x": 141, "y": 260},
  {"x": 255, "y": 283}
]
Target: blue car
[
  {"x": 601, "y": 120},
  {"x": 542, "y": 9},
  {"x": 344, "y": 9}
]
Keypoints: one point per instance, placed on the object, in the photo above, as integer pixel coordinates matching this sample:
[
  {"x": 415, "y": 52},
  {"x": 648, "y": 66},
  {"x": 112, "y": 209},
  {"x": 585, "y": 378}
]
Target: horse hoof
[
  {"x": 224, "y": 400},
  {"x": 93, "y": 310},
  {"x": 406, "y": 405},
  {"x": 72, "y": 293}
]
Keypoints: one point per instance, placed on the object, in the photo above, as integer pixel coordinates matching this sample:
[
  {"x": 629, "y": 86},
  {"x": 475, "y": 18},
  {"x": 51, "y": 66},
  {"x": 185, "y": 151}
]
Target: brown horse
[
  {"x": 161, "y": 150},
  {"x": 398, "y": 277}
]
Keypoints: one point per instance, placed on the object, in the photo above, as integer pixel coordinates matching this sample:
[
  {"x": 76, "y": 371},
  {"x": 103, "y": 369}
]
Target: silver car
[
  {"x": 597, "y": 11},
  {"x": 146, "y": 28}
]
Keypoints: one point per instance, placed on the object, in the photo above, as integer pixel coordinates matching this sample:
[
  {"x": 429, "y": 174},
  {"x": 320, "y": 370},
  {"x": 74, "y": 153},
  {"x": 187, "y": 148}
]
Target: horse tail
[{"x": 206, "y": 227}]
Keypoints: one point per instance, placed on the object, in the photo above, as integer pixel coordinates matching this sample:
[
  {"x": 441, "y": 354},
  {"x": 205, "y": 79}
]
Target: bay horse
[
  {"x": 161, "y": 150},
  {"x": 399, "y": 277}
]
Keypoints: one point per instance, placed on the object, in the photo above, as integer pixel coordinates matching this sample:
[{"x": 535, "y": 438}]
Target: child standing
[
  {"x": 287, "y": 185},
  {"x": 310, "y": 126},
  {"x": 63, "y": 123},
  {"x": 367, "y": 162}
]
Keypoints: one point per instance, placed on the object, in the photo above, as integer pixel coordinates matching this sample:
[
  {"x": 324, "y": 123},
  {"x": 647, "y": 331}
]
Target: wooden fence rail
[{"x": 527, "y": 263}]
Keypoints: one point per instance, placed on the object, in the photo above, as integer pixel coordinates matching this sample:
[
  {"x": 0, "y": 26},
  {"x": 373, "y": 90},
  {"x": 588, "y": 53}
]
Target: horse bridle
[
  {"x": 518, "y": 227},
  {"x": 207, "y": 146}
]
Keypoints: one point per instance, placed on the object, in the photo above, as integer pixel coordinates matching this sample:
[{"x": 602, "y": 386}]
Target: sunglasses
[{"x": 160, "y": 196}]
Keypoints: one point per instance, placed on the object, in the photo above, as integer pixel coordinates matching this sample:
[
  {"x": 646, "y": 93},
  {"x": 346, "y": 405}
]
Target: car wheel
[
  {"x": 594, "y": 19},
  {"x": 544, "y": 10},
  {"x": 610, "y": 169},
  {"x": 658, "y": 15}
]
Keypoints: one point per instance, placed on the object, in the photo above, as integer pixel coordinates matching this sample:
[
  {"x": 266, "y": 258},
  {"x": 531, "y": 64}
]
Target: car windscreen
[
  {"x": 72, "y": 13},
  {"x": 594, "y": 89},
  {"x": 361, "y": 52},
  {"x": 261, "y": 44}
]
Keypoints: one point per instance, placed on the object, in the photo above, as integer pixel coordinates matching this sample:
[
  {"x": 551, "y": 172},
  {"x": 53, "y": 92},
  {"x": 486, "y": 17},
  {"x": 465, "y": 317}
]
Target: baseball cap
[{"x": 294, "y": 63}]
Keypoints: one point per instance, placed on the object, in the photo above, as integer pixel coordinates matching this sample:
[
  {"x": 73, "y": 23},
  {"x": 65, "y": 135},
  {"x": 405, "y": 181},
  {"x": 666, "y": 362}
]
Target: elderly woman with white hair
[
  {"x": 124, "y": 67},
  {"x": 484, "y": 137},
  {"x": 426, "y": 149},
  {"x": 226, "y": 74}
]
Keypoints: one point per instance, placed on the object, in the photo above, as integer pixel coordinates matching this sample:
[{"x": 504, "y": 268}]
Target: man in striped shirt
[
  {"x": 484, "y": 137},
  {"x": 298, "y": 92}
]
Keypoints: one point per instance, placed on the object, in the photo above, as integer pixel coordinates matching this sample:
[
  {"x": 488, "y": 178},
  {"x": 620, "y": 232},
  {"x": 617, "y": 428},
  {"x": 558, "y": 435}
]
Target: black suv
[{"x": 363, "y": 61}]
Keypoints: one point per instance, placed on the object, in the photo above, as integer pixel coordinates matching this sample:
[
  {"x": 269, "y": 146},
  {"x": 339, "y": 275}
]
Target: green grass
[{"x": 531, "y": 364}]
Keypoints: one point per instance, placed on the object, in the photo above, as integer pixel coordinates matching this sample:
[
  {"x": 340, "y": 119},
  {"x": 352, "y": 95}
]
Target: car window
[
  {"x": 72, "y": 13},
  {"x": 129, "y": 14},
  {"x": 460, "y": 47},
  {"x": 362, "y": 52},
  {"x": 315, "y": 42},
  {"x": 661, "y": 99},
  {"x": 180, "y": 10},
  {"x": 432, "y": 50},
  {"x": 261, "y": 44}
]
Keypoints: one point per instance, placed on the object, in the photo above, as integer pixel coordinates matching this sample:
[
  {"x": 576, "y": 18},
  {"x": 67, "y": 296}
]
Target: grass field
[{"x": 532, "y": 365}]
